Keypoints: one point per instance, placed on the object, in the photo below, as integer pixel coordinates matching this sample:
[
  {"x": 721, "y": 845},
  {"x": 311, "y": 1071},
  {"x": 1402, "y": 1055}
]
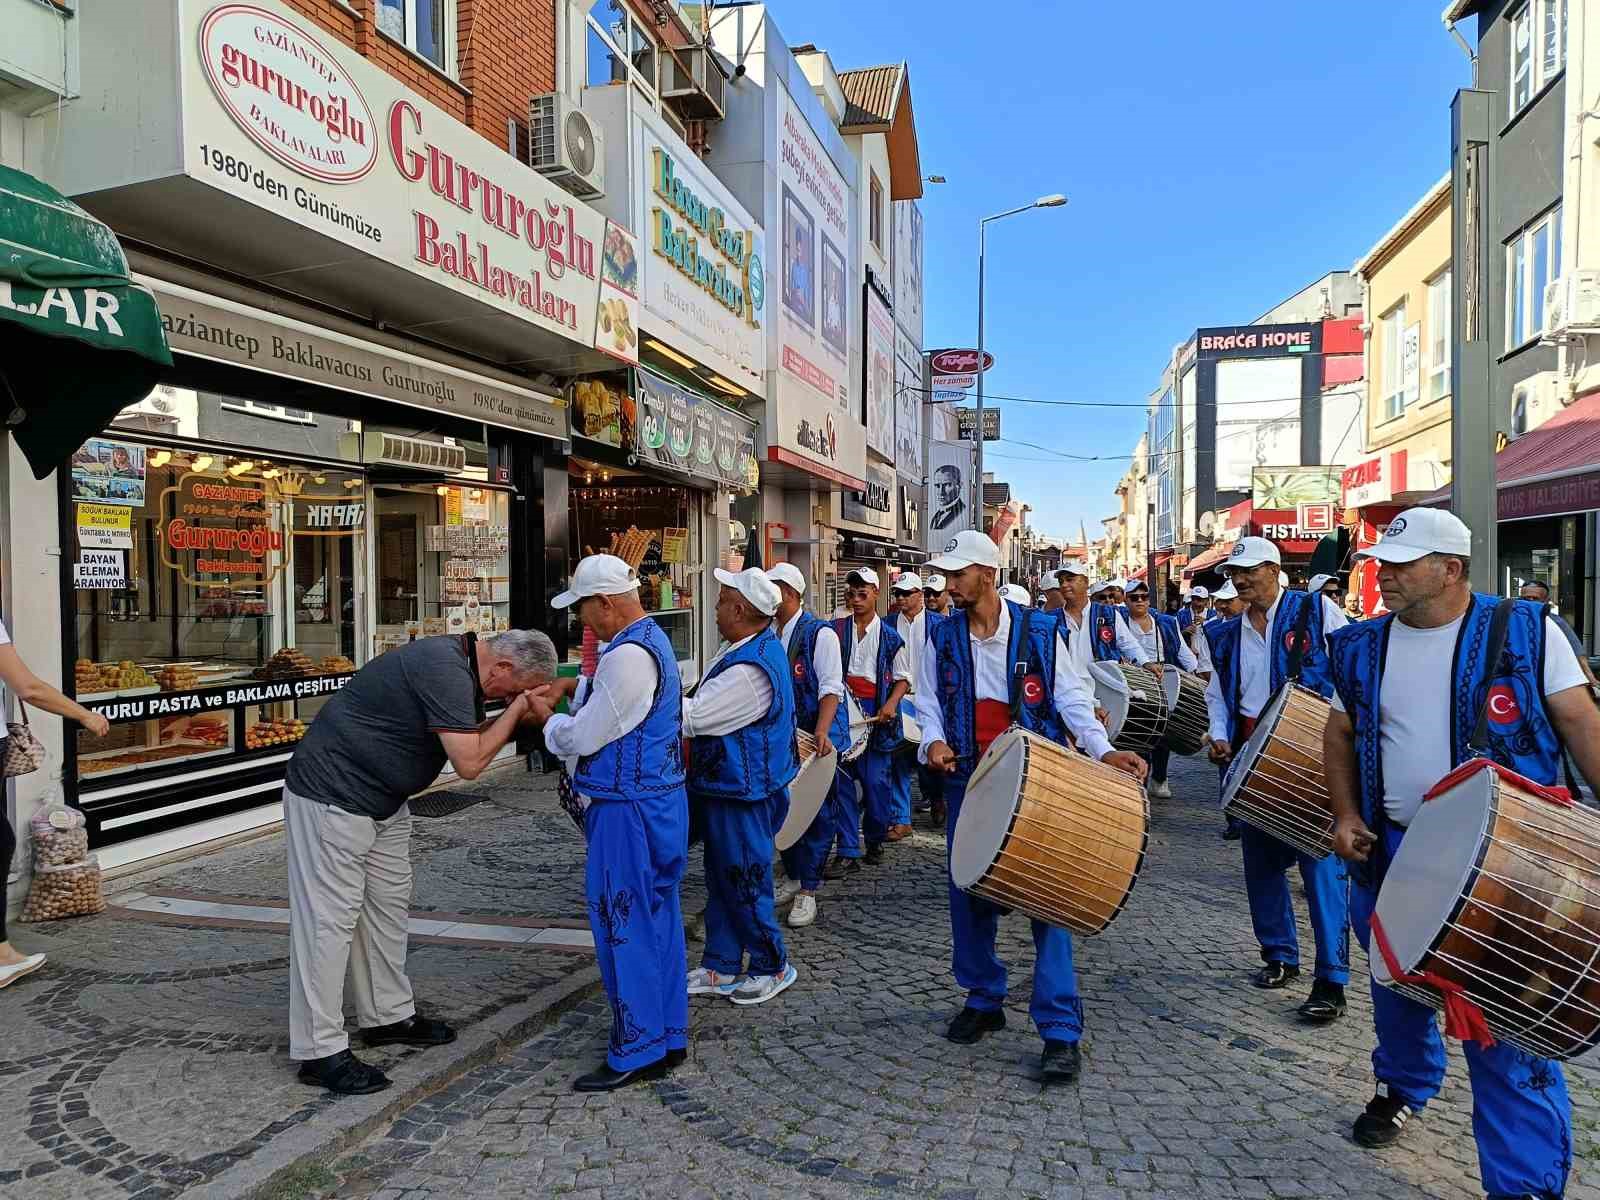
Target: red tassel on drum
[
  {"x": 1555, "y": 795},
  {"x": 1463, "y": 1019}
]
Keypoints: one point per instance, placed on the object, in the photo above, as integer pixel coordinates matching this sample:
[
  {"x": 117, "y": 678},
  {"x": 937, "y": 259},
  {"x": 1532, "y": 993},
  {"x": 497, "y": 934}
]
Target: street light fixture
[{"x": 1054, "y": 200}]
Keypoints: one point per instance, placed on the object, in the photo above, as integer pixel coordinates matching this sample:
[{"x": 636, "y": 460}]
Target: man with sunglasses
[
  {"x": 1158, "y": 636},
  {"x": 934, "y": 594},
  {"x": 1280, "y": 635}
]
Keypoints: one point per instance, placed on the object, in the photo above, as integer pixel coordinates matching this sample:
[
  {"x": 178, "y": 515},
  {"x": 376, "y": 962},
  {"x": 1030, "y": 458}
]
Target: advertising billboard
[{"x": 880, "y": 370}]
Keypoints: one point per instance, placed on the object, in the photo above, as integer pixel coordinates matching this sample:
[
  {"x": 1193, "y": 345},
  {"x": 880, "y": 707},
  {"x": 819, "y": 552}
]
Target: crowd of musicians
[{"x": 651, "y": 768}]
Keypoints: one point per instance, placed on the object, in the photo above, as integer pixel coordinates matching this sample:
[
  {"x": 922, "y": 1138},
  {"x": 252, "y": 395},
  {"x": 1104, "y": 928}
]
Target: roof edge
[{"x": 1389, "y": 242}]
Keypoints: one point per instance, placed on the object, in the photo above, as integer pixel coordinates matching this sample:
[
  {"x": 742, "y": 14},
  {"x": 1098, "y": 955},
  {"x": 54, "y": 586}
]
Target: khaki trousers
[{"x": 349, "y": 901}]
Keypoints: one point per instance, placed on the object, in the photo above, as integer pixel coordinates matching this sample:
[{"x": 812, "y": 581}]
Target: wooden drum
[
  {"x": 1276, "y": 782},
  {"x": 1188, "y": 723},
  {"x": 1135, "y": 705},
  {"x": 1050, "y": 832},
  {"x": 1496, "y": 889}
]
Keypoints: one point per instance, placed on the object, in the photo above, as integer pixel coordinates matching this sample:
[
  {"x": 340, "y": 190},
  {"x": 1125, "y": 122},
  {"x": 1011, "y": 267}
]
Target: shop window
[
  {"x": 423, "y": 26},
  {"x": 620, "y": 49},
  {"x": 214, "y": 600},
  {"x": 1533, "y": 259}
]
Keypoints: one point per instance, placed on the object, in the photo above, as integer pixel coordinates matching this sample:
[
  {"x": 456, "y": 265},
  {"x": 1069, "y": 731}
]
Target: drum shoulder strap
[
  {"x": 1019, "y": 670},
  {"x": 1498, "y": 627},
  {"x": 1301, "y": 641}
]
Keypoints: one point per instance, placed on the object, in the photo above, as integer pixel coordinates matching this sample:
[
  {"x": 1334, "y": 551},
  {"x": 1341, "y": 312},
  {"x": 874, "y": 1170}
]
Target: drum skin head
[
  {"x": 988, "y": 809},
  {"x": 807, "y": 793},
  {"x": 1432, "y": 870},
  {"x": 1111, "y": 693},
  {"x": 1251, "y": 750},
  {"x": 1171, "y": 683}
]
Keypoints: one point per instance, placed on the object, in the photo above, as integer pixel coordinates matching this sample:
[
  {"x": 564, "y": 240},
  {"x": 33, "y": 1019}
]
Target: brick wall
[{"x": 505, "y": 49}]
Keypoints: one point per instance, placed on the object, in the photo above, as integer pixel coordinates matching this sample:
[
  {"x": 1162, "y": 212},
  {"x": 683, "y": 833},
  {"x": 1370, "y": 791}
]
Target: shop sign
[
  {"x": 100, "y": 569},
  {"x": 333, "y": 516},
  {"x": 817, "y": 416},
  {"x": 874, "y": 504},
  {"x": 218, "y": 330},
  {"x": 880, "y": 357},
  {"x": 219, "y": 528},
  {"x": 616, "y": 323},
  {"x": 110, "y": 471},
  {"x": 959, "y": 362},
  {"x": 674, "y": 545},
  {"x": 944, "y": 395},
  {"x": 910, "y": 517},
  {"x": 908, "y": 405},
  {"x": 1258, "y": 341},
  {"x": 1374, "y": 480},
  {"x": 1411, "y": 363},
  {"x": 954, "y": 383},
  {"x": 692, "y": 433},
  {"x": 704, "y": 258},
  {"x": 1290, "y": 487},
  {"x": 966, "y": 418},
  {"x": 302, "y": 126},
  {"x": 1283, "y": 526},
  {"x": 105, "y": 526},
  {"x": 1575, "y": 494},
  {"x": 1318, "y": 519},
  {"x": 144, "y": 708}
]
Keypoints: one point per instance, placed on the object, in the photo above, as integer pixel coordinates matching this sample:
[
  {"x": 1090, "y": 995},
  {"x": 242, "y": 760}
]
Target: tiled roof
[{"x": 870, "y": 94}]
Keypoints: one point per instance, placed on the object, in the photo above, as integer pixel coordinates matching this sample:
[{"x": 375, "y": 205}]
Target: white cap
[
  {"x": 1016, "y": 593},
  {"x": 1226, "y": 592},
  {"x": 862, "y": 575},
  {"x": 933, "y": 583},
  {"x": 1120, "y": 584},
  {"x": 1318, "y": 582},
  {"x": 1072, "y": 567},
  {"x": 753, "y": 584},
  {"x": 967, "y": 549},
  {"x": 1096, "y": 588},
  {"x": 1199, "y": 593},
  {"x": 790, "y": 574},
  {"x": 1136, "y": 585},
  {"x": 598, "y": 575},
  {"x": 1252, "y": 552},
  {"x": 1283, "y": 579},
  {"x": 909, "y": 581},
  {"x": 1421, "y": 531}
]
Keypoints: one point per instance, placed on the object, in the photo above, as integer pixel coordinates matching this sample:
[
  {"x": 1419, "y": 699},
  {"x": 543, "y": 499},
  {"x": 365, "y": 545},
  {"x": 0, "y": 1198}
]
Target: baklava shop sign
[{"x": 281, "y": 114}]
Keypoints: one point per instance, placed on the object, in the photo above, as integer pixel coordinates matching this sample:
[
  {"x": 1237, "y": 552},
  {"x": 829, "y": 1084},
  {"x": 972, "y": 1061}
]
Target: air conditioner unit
[
  {"x": 697, "y": 84},
  {"x": 566, "y": 145},
  {"x": 396, "y": 450}
]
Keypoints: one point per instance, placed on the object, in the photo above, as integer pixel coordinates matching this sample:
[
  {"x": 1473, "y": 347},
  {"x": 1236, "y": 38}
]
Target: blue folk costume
[
  {"x": 1522, "y": 1116},
  {"x": 804, "y": 860},
  {"x": 1266, "y": 859},
  {"x": 739, "y": 781},
  {"x": 874, "y": 770},
  {"x": 1101, "y": 624},
  {"x": 637, "y": 825},
  {"x": 1159, "y": 756},
  {"x": 1056, "y": 1008},
  {"x": 930, "y": 782}
]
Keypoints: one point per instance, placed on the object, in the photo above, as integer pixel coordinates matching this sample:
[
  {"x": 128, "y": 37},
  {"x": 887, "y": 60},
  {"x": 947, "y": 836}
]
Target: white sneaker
[
  {"x": 9, "y": 975},
  {"x": 703, "y": 981},
  {"x": 758, "y": 989},
  {"x": 787, "y": 891},
  {"x": 1161, "y": 791},
  {"x": 804, "y": 911}
]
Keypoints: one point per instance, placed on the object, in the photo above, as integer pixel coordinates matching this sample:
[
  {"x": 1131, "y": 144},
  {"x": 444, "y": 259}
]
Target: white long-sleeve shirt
[
  {"x": 864, "y": 654},
  {"x": 827, "y": 662},
  {"x": 737, "y": 697},
  {"x": 992, "y": 681},
  {"x": 1081, "y": 648},
  {"x": 1255, "y": 667},
  {"x": 914, "y": 633},
  {"x": 1202, "y": 649},
  {"x": 1150, "y": 642},
  {"x": 606, "y": 707}
]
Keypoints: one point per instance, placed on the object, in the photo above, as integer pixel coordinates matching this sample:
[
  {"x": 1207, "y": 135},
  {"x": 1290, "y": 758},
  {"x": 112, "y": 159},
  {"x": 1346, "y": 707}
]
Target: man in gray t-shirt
[{"x": 376, "y": 744}]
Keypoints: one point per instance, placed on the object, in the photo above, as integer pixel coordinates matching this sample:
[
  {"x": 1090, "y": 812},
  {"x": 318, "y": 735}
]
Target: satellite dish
[{"x": 1208, "y": 524}]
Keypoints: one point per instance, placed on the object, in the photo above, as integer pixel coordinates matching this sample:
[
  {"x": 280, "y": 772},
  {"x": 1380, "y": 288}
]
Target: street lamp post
[{"x": 1052, "y": 201}]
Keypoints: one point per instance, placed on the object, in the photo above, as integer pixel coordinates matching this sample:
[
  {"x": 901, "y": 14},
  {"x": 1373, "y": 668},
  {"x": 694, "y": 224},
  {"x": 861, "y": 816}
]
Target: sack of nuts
[
  {"x": 68, "y": 890},
  {"x": 60, "y": 836}
]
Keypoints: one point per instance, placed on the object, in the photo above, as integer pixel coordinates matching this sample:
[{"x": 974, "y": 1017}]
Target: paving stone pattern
[{"x": 1196, "y": 1085}]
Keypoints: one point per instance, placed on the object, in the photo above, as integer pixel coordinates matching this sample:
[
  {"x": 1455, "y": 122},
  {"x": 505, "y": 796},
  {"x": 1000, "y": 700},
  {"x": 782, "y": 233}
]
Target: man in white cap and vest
[
  {"x": 1196, "y": 612},
  {"x": 990, "y": 665},
  {"x": 1096, "y": 630},
  {"x": 623, "y": 752},
  {"x": 935, "y": 596},
  {"x": 912, "y": 625},
  {"x": 740, "y": 726},
  {"x": 817, "y": 672},
  {"x": 1281, "y": 637}
]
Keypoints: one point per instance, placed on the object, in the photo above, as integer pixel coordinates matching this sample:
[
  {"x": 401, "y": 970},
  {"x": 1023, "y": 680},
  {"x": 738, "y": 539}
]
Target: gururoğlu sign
[{"x": 377, "y": 167}]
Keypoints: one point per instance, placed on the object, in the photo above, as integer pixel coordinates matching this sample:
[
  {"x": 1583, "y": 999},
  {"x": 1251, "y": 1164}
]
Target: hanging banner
[
  {"x": 616, "y": 329},
  {"x": 692, "y": 433}
]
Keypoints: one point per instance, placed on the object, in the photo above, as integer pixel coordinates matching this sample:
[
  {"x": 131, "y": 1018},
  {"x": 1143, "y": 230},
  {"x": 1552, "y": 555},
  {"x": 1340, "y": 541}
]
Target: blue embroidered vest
[
  {"x": 1102, "y": 629},
  {"x": 648, "y": 759},
  {"x": 951, "y": 642},
  {"x": 884, "y": 737},
  {"x": 803, "y": 669},
  {"x": 754, "y": 761},
  {"x": 1521, "y": 735},
  {"x": 1223, "y": 637},
  {"x": 1171, "y": 637}
]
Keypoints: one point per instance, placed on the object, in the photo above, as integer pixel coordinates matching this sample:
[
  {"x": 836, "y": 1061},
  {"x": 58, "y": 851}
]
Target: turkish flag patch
[
  {"x": 799, "y": 670},
  {"x": 1503, "y": 706},
  {"x": 1032, "y": 689},
  {"x": 1288, "y": 641},
  {"x": 1107, "y": 633}
]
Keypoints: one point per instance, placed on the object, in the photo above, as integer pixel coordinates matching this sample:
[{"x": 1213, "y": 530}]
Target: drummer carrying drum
[
  {"x": 992, "y": 664},
  {"x": 1279, "y": 635},
  {"x": 1411, "y": 688},
  {"x": 913, "y": 624},
  {"x": 1159, "y": 637}
]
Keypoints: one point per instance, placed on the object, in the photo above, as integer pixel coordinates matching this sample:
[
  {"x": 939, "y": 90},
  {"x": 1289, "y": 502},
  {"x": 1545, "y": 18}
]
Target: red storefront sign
[{"x": 1375, "y": 480}]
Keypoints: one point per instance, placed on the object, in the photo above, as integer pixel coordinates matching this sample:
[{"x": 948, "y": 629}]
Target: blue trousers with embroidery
[
  {"x": 1056, "y": 1008},
  {"x": 635, "y": 864},
  {"x": 740, "y": 918},
  {"x": 873, "y": 812},
  {"x": 1521, "y": 1114},
  {"x": 804, "y": 860},
  {"x": 1266, "y": 866}
]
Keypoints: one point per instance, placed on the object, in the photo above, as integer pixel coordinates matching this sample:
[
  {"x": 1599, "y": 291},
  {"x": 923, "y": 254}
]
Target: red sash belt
[
  {"x": 861, "y": 687},
  {"x": 1463, "y": 1019},
  {"x": 1247, "y": 726},
  {"x": 993, "y": 717}
]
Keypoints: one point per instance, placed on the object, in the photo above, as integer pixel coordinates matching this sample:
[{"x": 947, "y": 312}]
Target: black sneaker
[
  {"x": 1383, "y": 1122},
  {"x": 874, "y": 854},
  {"x": 842, "y": 868},
  {"x": 1275, "y": 975},
  {"x": 972, "y": 1023},
  {"x": 1060, "y": 1062},
  {"x": 1326, "y": 1003},
  {"x": 344, "y": 1074}
]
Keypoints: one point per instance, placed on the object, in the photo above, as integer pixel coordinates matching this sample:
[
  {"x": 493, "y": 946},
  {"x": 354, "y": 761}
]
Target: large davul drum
[
  {"x": 1188, "y": 722},
  {"x": 808, "y": 791},
  {"x": 1496, "y": 891},
  {"x": 1136, "y": 707},
  {"x": 1050, "y": 832},
  {"x": 1276, "y": 783}
]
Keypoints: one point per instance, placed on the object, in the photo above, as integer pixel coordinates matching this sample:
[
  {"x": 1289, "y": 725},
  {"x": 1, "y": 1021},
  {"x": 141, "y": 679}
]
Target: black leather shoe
[
  {"x": 1275, "y": 975},
  {"x": 874, "y": 855},
  {"x": 1326, "y": 1003},
  {"x": 972, "y": 1023},
  {"x": 842, "y": 868},
  {"x": 605, "y": 1079},
  {"x": 939, "y": 814},
  {"x": 415, "y": 1030},
  {"x": 1060, "y": 1062},
  {"x": 344, "y": 1074},
  {"x": 1232, "y": 833},
  {"x": 675, "y": 1059}
]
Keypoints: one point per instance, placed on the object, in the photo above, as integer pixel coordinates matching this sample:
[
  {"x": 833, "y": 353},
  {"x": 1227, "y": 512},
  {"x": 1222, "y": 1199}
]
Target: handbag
[{"x": 24, "y": 752}]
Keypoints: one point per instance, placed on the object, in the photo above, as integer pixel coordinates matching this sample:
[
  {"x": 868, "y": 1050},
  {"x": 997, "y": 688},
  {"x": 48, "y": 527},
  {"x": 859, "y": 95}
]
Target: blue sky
[{"x": 1217, "y": 157}]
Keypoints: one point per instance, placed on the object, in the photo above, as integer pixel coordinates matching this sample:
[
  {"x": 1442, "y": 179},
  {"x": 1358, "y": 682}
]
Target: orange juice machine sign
[{"x": 218, "y": 532}]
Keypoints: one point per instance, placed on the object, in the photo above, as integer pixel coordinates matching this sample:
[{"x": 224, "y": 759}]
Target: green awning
[{"x": 79, "y": 341}]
